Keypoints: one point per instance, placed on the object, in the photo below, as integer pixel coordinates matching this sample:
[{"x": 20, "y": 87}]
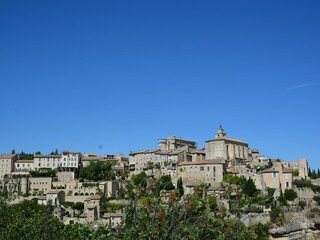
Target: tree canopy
[{"x": 97, "y": 171}]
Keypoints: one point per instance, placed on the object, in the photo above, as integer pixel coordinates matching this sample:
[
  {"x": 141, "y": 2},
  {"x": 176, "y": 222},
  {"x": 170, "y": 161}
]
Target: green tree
[
  {"x": 231, "y": 179},
  {"x": 166, "y": 183},
  {"x": 97, "y": 171},
  {"x": 276, "y": 214},
  {"x": 147, "y": 217},
  {"x": 290, "y": 194},
  {"x": 249, "y": 187},
  {"x": 140, "y": 179},
  {"x": 313, "y": 174},
  {"x": 180, "y": 187},
  {"x": 261, "y": 231}
]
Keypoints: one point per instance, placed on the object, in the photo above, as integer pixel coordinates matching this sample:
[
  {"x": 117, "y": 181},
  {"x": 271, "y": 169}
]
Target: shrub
[
  {"x": 302, "y": 204},
  {"x": 290, "y": 194},
  {"x": 317, "y": 199}
]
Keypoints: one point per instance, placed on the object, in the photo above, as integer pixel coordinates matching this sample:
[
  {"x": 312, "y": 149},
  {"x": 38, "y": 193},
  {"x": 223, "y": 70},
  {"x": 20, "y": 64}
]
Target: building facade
[
  {"x": 7, "y": 164},
  {"x": 221, "y": 147},
  {"x": 23, "y": 166},
  {"x": 206, "y": 171},
  {"x": 67, "y": 161}
]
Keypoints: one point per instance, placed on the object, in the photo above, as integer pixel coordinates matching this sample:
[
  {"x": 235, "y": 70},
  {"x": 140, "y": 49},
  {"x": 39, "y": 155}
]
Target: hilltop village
[{"x": 237, "y": 181}]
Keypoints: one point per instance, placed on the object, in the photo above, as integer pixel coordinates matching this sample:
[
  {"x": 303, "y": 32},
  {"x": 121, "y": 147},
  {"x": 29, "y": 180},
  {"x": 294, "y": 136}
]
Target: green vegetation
[
  {"x": 148, "y": 216},
  {"x": 111, "y": 207},
  {"x": 98, "y": 171},
  {"x": 27, "y": 156},
  {"x": 290, "y": 194},
  {"x": 302, "y": 183},
  {"x": 295, "y": 172},
  {"x": 302, "y": 204},
  {"x": 140, "y": 179},
  {"x": 317, "y": 199},
  {"x": 248, "y": 187},
  {"x": 276, "y": 215},
  {"x": 313, "y": 174},
  {"x": 166, "y": 183},
  {"x": 231, "y": 179},
  {"x": 180, "y": 190},
  {"x": 43, "y": 173}
]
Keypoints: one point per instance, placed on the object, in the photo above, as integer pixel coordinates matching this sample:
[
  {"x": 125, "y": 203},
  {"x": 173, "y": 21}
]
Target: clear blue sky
[{"x": 114, "y": 76}]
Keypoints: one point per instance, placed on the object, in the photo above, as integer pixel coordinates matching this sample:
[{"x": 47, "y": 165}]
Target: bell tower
[{"x": 220, "y": 133}]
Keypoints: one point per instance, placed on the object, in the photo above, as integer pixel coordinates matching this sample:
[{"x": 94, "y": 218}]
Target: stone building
[
  {"x": 114, "y": 219},
  {"x": 40, "y": 184},
  {"x": 221, "y": 147},
  {"x": 67, "y": 161},
  {"x": 205, "y": 171},
  {"x": 23, "y": 166},
  {"x": 7, "y": 164},
  {"x": 277, "y": 177},
  {"x": 47, "y": 161},
  {"x": 171, "y": 151},
  {"x": 301, "y": 165},
  {"x": 172, "y": 143},
  {"x": 92, "y": 208}
]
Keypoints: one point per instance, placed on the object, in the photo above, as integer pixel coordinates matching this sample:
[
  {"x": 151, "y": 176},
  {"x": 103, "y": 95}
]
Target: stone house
[
  {"x": 206, "y": 171},
  {"x": 277, "y": 177},
  {"x": 23, "y": 166},
  {"x": 7, "y": 164}
]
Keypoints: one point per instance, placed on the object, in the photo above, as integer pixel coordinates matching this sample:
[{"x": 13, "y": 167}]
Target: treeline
[
  {"x": 30, "y": 156},
  {"x": 313, "y": 174}
]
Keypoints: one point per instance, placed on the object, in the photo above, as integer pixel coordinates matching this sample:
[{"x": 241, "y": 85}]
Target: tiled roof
[
  {"x": 24, "y": 161},
  {"x": 269, "y": 170},
  {"x": 47, "y": 156},
  {"x": 7, "y": 156}
]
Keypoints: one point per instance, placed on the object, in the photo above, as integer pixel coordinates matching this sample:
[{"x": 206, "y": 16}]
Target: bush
[
  {"x": 275, "y": 214},
  {"x": 261, "y": 231},
  {"x": 317, "y": 199},
  {"x": 290, "y": 194},
  {"x": 302, "y": 204},
  {"x": 315, "y": 211},
  {"x": 295, "y": 172}
]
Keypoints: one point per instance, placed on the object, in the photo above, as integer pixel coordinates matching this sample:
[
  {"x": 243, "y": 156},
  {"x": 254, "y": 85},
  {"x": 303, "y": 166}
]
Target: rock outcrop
[{"x": 299, "y": 228}]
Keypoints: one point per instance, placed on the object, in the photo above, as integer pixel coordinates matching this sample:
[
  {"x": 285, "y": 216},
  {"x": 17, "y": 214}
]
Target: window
[
  {"x": 287, "y": 184},
  {"x": 208, "y": 168},
  {"x": 274, "y": 174},
  {"x": 201, "y": 168},
  {"x": 214, "y": 169}
]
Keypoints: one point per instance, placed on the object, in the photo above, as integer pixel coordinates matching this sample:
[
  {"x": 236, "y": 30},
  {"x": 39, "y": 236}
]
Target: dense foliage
[
  {"x": 97, "y": 171},
  {"x": 290, "y": 194},
  {"x": 43, "y": 173}
]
